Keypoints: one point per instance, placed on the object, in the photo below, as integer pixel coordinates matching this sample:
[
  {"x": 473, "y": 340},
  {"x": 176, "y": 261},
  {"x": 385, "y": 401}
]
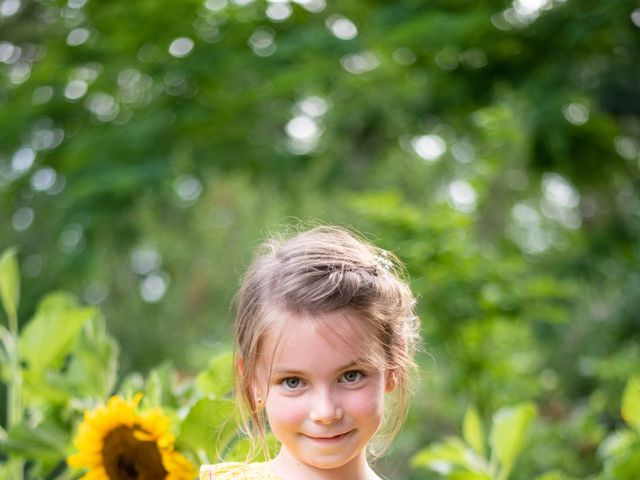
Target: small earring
[{"x": 259, "y": 401}]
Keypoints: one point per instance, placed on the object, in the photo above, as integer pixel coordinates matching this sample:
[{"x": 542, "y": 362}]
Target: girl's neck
[{"x": 288, "y": 467}]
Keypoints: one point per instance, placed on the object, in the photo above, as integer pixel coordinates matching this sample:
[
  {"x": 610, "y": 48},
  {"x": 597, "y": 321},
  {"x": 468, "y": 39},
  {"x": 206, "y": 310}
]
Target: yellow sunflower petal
[
  {"x": 178, "y": 467},
  {"x": 115, "y": 436}
]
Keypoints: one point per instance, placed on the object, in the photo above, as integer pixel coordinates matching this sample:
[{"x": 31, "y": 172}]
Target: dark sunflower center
[{"x": 127, "y": 458}]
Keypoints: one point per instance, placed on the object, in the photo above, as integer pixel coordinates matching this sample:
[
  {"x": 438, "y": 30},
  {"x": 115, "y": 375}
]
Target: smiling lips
[{"x": 332, "y": 439}]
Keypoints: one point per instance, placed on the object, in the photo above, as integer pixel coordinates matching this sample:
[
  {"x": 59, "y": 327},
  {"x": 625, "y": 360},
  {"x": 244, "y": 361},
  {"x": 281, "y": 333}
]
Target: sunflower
[{"x": 117, "y": 443}]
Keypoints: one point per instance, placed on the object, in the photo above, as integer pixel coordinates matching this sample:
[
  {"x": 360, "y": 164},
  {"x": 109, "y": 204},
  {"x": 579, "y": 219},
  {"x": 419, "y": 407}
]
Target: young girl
[{"x": 325, "y": 336}]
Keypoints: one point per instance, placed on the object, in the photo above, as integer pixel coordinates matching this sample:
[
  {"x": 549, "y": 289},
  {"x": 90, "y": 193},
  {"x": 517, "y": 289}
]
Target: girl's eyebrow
[{"x": 287, "y": 371}]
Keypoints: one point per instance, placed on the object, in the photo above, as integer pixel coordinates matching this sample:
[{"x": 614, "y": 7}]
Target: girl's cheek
[
  {"x": 365, "y": 403},
  {"x": 287, "y": 410}
]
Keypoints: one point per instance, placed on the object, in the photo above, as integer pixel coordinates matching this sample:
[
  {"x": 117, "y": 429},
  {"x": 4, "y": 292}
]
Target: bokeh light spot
[
  {"x": 20, "y": 73},
  {"x": 103, "y": 106},
  {"x": 188, "y": 188},
  {"x": 462, "y": 196},
  {"x": 474, "y": 58},
  {"x": 525, "y": 215},
  {"x": 313, "y": 6},
  {"x": 22, "y": 160},
  {"x": 181, "y": 47},
  {"x": 463, "y": 151},
  {"x": 145, "y": 260},
  {"x": 358, "y": 63},
  {"x": 627, "y": 147},
  {"x": 576, "y": 113},
  {"x": 41, "y": 95},
  {"x": 403, "y": 56},
  {"x": 313, "y": 106},
  {"x": 22, "y": 218},
  {"x": 262, "y": 42},
  {"x": 75, "y": 89},
  {"x": 43, "y": 179},
  {"x": 215, "y": 5},
  {"x": 153, "y": 287},
  {"x": 302, "y": 128},
  {"x": 95, "y": 293},
  {"x": 341, "y": 27},
  {"x": 9, "y": 53},
  {"x": 279, "y": 11},
  {"x": 71, "y": 239},
  {"x": 429, "y": 147},
  {"x": 556, "y": 189},
  {"x": 78, "y": 36},
  {"x": 8, "y": 8}
]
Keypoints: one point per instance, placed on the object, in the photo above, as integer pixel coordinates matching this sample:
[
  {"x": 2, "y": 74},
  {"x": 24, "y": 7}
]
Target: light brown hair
[{"x": 318, "y": 271}]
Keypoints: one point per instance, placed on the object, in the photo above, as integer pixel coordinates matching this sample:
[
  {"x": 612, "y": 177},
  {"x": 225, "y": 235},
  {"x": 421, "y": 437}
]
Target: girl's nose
[{"x": 325, "y": 409}]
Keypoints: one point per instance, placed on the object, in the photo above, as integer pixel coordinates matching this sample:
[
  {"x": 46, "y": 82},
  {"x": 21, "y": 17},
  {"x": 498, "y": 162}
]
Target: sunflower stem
[{"x": 14, "y": 388}]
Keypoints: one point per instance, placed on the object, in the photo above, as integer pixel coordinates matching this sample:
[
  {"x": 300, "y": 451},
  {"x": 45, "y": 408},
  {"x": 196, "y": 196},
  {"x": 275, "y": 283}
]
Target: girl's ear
[
  {"x": 240, "y": 365},
  {"x": 256, "y": 394},
  {"x": 390, "y": 381},
  {"x": 258, "y": 399}
]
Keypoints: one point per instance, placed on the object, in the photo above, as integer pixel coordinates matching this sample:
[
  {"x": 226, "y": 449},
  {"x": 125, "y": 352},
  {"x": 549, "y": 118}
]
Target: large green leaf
[
  {"x": 7, "y": 468},
  {"x": 631, "y": 403},
  {"x": 217, "y": 379},
  {"x": 210, "y": 425},
  {"x": 443, "y": 456},
  {"x": 242, "y": 448},
  {"x": 472, "y": 430},
  {"x": 469, "y": 476},
  {"x": 158, "y": 389},
  {"x": 89, "y": 372},
  {"x": 49, "y": 335},
  {"x": 508, "y": 435},
  {"x": 46, "y": 442},
  {"x": 10, "y": 281},
  {"x": 92, "y": 370}
]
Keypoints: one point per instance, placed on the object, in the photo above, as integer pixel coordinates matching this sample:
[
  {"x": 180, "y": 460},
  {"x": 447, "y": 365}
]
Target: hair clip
[{"x": 383, "y": 264}]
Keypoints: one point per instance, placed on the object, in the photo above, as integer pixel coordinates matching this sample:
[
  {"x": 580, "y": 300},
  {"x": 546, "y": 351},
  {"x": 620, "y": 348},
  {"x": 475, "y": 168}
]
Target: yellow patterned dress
[{"x": 238, "y": 471}]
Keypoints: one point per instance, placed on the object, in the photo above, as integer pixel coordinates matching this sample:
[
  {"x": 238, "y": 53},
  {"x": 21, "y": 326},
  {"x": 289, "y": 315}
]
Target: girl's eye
[
  {"x": 351, "y": 376},
  {"x": 292, "y": 383}
]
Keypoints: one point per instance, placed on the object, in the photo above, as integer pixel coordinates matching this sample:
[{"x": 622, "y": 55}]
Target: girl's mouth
[{"x": 329, "y": 440}]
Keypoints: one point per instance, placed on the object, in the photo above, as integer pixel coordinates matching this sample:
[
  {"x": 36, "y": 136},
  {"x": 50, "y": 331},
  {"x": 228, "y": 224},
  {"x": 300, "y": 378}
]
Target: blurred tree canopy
[{"x": 147, "y": 147}]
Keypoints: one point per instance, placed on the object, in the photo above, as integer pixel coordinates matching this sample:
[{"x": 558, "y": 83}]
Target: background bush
[{"x": 146, "y": 148}]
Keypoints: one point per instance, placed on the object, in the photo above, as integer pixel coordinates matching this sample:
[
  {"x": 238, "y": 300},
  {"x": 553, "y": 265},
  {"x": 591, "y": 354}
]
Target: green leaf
[
  {"x": 443, "y": 456},
  {"x": 210, "y": 425},
  {"x": 469, "y": 476},
  {"x": 217, "y": 379},
  {"x": 10, "y": 281},
  {"x": 472, "y": 430},
  {"x": 617, "y": 443},
  {"x": 554, "y": 475},
  {"x": 508, "y": 435},
  {"x": 48, "y": 337},
  {"x": 47, "y": 442},
  {"x": 241, "y": 449},
  {"x": 50, "y": 389},
  {"x": 92, "y": 370},
  {"x": 631, "y": 403},
  {"x": 9, "y": 467}
]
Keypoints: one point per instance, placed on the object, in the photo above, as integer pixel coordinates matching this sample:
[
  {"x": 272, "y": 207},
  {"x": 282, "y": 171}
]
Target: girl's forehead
[{"x": 340, "y": 333}]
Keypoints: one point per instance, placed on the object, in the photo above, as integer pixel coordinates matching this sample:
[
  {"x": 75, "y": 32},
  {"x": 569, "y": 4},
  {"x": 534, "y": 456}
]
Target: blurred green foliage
[{"x": 146, "y": 148}]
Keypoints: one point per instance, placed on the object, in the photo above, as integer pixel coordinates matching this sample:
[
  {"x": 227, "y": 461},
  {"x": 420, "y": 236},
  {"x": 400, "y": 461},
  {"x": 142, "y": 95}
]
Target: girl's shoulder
[{"x": 237, "y": 471}]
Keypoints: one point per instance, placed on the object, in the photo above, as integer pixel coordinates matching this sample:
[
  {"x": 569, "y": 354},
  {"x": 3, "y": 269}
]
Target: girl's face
[{"x": 324, "y": 399}]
